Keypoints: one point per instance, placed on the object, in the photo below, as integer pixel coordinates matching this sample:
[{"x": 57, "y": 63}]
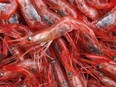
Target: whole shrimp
[
  {"x": 6, "y": 10},
  {"x": 51, "y": 17},
  {"x": 64, "y": 8},
  {"x": 30, "y": 15},
  {"x": 59, "y": 73},
  {"x": 101, "y": 5},
  {"x": 87, "y": 10},
  {"x": 74, "y": 78},
  {"x": 106, "y": 81},
  {"x": 30, "y": 79},
  {"x": 107, "y": 66},
  {"x": 46, "y": 14},
  {"x": 100, "y": 77},
  {"x": 57, "y": 30},
  {"x": 108, "y": 21}
]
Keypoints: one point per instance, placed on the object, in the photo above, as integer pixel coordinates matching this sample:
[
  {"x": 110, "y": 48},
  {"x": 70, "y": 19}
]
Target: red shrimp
[
  {"x": 51, "y": 77},
  {"x": 30, "y": 79},
  {"x": 6, "y": 10},
  {"x": 87, "y": 10},
  {"x": 59, "y": 73},
  {"x": 7, "y": 75},
  {"x": 46, "y": 14},
  {"x": 64, "y": 8},
  {"x": 74, "y": 78},
  {"x": 107, "y": 66},
  {"x": 66, "y": 25},
  {"x": 108, "y": 21},
  {"x": 99, "y": 76},
  {"x": 107, "y": 81},
  {"x": 30, "y": 15},
  {"x": 101, "y": 5}
]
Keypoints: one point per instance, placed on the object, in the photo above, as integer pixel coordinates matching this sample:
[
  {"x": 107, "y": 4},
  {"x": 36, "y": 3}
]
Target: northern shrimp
[
  {"x": 58, "y": 70},
  {"x": 30, "y": 79},
  {"x": 75, "y": 79},
  {"x": 108, "y": 21},
  {"x": 107, "y": 66},
  {"x": 57, "y": 30},
  {"x": 30, "y": 14},
  {"x": 46, "y": 14},
  {"x": 64, "y": 8},
  {"x": 105, "y": 80},
  {"x": 7, "y": 9},
  {"x": 101, "y": 5},
  {"x": 42, "y": 8},
  {"x": 87, "y": 10},
  {"x": 101, "y": 77}
]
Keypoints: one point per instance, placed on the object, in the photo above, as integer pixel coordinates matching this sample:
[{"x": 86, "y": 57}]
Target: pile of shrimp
[{"x": 57, "y": 43}]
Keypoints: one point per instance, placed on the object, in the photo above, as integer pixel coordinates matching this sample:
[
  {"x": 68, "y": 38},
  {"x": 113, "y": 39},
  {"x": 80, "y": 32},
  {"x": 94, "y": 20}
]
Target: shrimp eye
[
  {"x": 100, "y": 74},
  {"x": 99, "y": 66},
  {"x": 12, "y": 47},
  {"x": 69, "y": 73},
  {"x": 29, "y": 38},
  {"x": 64, "y": 82},
  {"x": 113, "y": 58}
]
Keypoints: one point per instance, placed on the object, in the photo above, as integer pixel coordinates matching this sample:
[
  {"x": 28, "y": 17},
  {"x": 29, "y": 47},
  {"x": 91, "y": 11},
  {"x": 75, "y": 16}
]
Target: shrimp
[
  {"x": 87, "y": 10},
  {"x": 43, "y": 10},
  {"x": 74, "y": 78},
  {"x": 64, "y": 8},
  {"x": 30, "y": 15},
  {"x": 59, "y": 74},
  {"x": 107, "y": 81},
  {"x": 107, "y": 66},
  {"x": 99, "y": 5},
  {"x": 6, "y": 10},
  {"x": 30, "y": 79},
  {"x": 4, "y": 74},
  {"x": 57, "y": 30},
  {"x": 108, "y": 21},
  {"x": 46, "y": 14}
]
